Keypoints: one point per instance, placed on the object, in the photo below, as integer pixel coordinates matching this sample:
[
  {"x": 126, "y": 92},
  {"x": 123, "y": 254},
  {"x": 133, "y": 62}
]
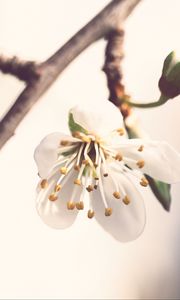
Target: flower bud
[{"x": 169, "y": 83}]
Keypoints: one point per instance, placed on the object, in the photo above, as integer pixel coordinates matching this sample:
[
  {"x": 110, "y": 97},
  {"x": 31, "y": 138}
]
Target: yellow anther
[
  {"x": 71, "y": 205},
  {"x": 108, "y": 211},
  {"x": 86, "y": 139},
  {"x": 117, "y": 195},
  {"x": 80, "y": 205},
  {"x": 85, "y": 162},
  {"x": 63, "y": 170},
  {"x": 126, "y": 200},
  {"x": 121, "y": 131},
  {"x": 140, "y": 163},
  {"x": 57, "y": 188},
  {"x": 64, "y": 143},
  {"x": 53, "y": 197},
  {"x": 96, "y": 178},
  {"x": 144, "y": 182},
  {"x": 118, "y": 157},
  {"x": 77, "y": 167},
  {"x": 77, "y": 181},
  {"x": 89, "y": 188},
  {"x": 90, "y": 214},
  {"x": 140, "y": 149},
  {"x": 44, "y": 183}
]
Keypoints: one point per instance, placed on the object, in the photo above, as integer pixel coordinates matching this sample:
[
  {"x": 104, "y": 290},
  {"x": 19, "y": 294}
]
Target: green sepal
[
  {"x": 174, "y": 75},
  {"x": 167, "y": 63},
  {"x": 160, "y": 189},
  {"x": 73, "y": 126},
  {"x": 162, "y": 192}
]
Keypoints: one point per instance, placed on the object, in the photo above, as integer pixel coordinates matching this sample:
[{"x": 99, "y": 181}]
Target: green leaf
[
  {"x": 73, "y": 126},
  {"x": 167, "y": 63},
  {"x": 162, "y": 192},
  {"x": 160, "y": 189}
]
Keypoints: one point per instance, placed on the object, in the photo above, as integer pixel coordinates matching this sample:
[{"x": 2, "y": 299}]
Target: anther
[
  {"x": 71, "y": 205},
  {"x": 126, "y": 200},
  {"x": 85, "y": 162},
  {"x": 140, "y": 163},
  {"x": 86, "y": 139},
  {"x": 118, "y": 157},
  {"x": 77, "y": 167},
  {"x": 44, "y": 183},
  {"x": 144, "y": 182},
  {"x": 64, "y": 143},
  {"x": 140, "y": 149},
  {"x": 63, "y": 170},
  {"x": 108, "y": 211},
  {"x": 90, "y": 214},
  {"x": 89, "y": 188},
  {"x": 76, "y": 134},
  {"x": 117, "y": 195},
  {"x": 80, "y": 205},
  {"x": 121, "y": 131},
  {"x": 52, "y": 197},
  {"x": 57, "y": 188},
  {"x": 95, "y": 186},
  {"x": 105, "y": 174},
  {"x": 77, "y": 181}
]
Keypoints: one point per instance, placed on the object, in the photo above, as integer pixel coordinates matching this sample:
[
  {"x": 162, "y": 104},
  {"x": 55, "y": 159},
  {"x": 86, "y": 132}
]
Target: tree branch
[{"x": 109, "y": 19}]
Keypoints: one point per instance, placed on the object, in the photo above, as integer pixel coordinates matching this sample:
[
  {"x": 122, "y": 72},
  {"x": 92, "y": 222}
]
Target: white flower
[{"x": 99, "y": 161}]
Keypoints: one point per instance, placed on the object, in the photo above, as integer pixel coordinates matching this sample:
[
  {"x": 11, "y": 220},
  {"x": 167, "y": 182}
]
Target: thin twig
[{"x": 109, "y": 19}]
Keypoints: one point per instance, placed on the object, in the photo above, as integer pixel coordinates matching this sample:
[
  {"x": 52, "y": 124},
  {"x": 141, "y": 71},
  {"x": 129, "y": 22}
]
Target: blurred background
[{"x": 37, "y": 262}]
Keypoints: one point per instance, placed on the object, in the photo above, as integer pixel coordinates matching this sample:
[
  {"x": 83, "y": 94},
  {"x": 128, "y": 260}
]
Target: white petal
[
  {"x": 45, "y": 154},
  {"x": 55, "y": 213},
  {"x": 127, "y": 221},
  {"x": 98, "y": 119},
  {"x": 162, "y": 161}
]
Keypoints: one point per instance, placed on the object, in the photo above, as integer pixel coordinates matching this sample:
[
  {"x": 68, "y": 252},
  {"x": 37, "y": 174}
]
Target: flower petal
[
  {"x": 162, "y": 161},
  {"x": 127, "y": 221},
  {"x": 55, "y": 213},
  {"x": 46, "y": 152},
  {"x": 98, "y": 119}
]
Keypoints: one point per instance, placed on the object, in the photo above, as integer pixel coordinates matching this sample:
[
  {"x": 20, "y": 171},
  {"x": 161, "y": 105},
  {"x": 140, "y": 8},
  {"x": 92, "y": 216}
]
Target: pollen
[
  {"x": 89, "y": 188},
  {"x": 71, "y": 205},
  {"x": 77, "y": 181},
  {"x": 118, "y": 157},
  {"x": 63, "y": 170},
  {"x": 44, "y": 183},
  {"x": 90, "y": 214},
  {"x": 116, "y": 195},
  {"x": 95, "y": 186},
  {"x": 140, "y": 163},
  {"x": 57, "y": 188},
  {"x": 86, "y": 139},
  {"x": 126, "y": 200},
  {"x": 53, "y": 197},
  {"x": 144, "y": 182},
  {"x": 105, "y": 174},
  {"x": 76, "y": 167},
  {"x": 85, "y": 162},
  {"x": 121, "y": 131},
  {"x": 141, "y": 148},
  {"x": 80, "y": 205},
  {"x": 108, "y": 211},
  {"x": 64, "y": 143}
]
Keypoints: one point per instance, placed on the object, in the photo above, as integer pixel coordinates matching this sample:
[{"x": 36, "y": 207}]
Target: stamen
[
  {"x": 44, "y": 183},
  {"x": 117, "y": 195},
  {"x": 104, "y": 166},
  {"x": 57, "y": 188},
  {"x": 121, "y": 131},
  {"x": 80, "y": 205},
  {"x": 77, "y": 167},
  {"x": 85, "y": 162},
  {"x": 144, "y": 182},
  {"x": 90, "y": 214},
  {"x": 53, "y": 197},
  {"x": 140, "y": 149},
  {"x": 86, "y": 139},
  {"x": 119, "y": 156},
  {"x": 65, "y": 143},
  {"x": 140, "y": 163},
  {"x": 71, "y": 205},
  {"x": 63, "y": 170},
  {"x": 77, "y": 181},
  {"x": 126, "y": 200},
  {"x": 89, "y": 188},
  {"x": 97, "y": 154},
  {"x": 108, "y": 211}
]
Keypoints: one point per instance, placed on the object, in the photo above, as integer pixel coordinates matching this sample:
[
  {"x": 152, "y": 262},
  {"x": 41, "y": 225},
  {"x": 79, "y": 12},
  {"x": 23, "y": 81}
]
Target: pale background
[{"x": 83, "y": 261}]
